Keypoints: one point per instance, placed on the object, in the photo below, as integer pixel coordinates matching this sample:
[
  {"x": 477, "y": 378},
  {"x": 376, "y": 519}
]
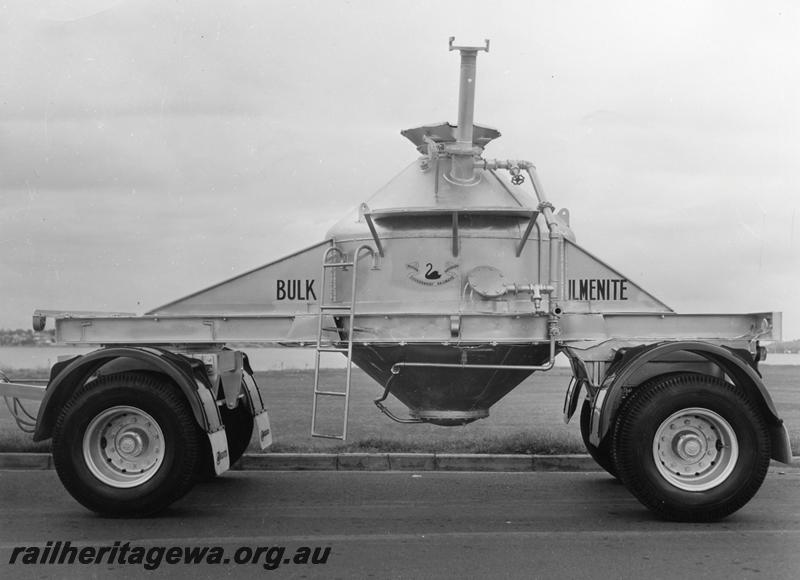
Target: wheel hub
[
  {"x": 123, "y": 446},
  {"x": 689, "y": 446},
  {"x": 695, "y": 449},
  {"x": 130, "y": 444}
]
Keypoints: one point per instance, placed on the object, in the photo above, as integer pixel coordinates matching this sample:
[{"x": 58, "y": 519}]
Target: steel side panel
[
  {"x": 591, "y": 285},
  {"x": 290, "y": 284}
]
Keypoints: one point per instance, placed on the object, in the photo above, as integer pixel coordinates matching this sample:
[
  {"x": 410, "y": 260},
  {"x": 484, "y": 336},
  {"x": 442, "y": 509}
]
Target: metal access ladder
[{"x": 332, "y": 260}]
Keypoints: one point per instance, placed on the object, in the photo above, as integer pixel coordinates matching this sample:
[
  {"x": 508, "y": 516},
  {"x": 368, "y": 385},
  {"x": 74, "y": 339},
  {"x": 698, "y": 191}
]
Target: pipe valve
[{"x": 516, "y": 176}]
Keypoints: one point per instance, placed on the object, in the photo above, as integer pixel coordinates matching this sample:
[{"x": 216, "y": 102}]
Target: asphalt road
[{"x": 401, "y": 525}]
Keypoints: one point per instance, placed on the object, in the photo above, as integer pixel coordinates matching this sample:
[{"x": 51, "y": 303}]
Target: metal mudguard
[
  {"x": 188, "y": 374},
  {"x": 622, "y": 374}
]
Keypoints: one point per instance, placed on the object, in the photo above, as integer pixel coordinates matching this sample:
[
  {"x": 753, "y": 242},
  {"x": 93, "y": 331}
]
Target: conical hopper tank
[
  {"x": 450, "y": 234},
  {"x": 449, "y": 251},
  {"x": 448, "y": 395}
]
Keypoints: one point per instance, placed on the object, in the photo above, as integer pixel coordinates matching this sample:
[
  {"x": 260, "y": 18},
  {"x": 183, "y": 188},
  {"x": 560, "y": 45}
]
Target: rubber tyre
[
  {"x": 146, "y": 395},
  {"x": 727, "y": 486},
  {"x": 602, "y": 454},
  {"x": 238, "y": 432}
]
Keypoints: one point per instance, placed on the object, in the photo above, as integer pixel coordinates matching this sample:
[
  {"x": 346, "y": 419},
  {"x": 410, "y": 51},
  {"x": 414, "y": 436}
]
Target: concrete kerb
[
  {"x": 27, "y": 461},
  {"x": 376, "y": 462}
]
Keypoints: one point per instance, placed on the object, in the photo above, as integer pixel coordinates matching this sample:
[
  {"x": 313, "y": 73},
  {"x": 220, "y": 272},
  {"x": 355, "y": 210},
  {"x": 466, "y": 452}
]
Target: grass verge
[{"x": 527, "y": 421}]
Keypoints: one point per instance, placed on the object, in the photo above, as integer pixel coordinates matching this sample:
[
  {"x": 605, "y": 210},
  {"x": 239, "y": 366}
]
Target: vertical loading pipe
[
  {"x": 466, "y": 96},
  {"x": 463, "y": 170}
]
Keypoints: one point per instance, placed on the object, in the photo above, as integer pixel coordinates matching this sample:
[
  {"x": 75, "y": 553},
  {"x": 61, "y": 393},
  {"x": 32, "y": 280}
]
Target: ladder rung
[
  {"x": 335, "y": 311},
  {"x": 331, "y": 393},
  {"x": 323, "y": 436}
]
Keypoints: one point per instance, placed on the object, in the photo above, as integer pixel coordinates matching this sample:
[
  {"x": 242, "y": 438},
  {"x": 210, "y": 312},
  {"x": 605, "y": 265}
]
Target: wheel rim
[
  {"x": 695, "y": 449},
  {"x": 123, "y": 446}
]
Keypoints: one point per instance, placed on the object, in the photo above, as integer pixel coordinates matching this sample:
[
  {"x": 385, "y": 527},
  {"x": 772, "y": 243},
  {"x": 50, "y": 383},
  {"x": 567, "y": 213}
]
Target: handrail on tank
[
  {"x": 545, "y": 367},
  {"x": 364, "y": 212},
  {"x": 344, "y": 264},
  {"x": 342, "y": 255},
  {"x": 396, "y": 368}
]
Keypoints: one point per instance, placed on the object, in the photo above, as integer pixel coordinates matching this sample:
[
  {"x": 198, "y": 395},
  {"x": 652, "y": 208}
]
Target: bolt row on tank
[{"x": 451, "y": 285}]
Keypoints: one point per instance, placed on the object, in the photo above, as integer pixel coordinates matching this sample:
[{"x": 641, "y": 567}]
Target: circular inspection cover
[{"x": 487, "y": 281}]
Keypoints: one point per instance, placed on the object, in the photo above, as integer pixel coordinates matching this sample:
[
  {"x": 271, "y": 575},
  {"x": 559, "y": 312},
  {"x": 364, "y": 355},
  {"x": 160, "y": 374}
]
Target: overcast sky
[{"x": 149, "y": 149}]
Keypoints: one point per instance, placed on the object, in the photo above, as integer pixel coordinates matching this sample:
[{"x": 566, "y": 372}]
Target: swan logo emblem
[{"x": 430, "y": 274}]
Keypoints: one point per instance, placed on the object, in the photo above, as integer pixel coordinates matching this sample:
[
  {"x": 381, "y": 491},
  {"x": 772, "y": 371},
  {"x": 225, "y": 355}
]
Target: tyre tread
[
  {"x": 145, "y": 385},
  {"x": 631, "y": 474}
]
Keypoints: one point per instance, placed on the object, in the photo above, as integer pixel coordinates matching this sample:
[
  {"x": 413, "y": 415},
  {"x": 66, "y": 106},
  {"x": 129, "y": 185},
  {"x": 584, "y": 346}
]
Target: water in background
[{"x": 262, "y": 359}]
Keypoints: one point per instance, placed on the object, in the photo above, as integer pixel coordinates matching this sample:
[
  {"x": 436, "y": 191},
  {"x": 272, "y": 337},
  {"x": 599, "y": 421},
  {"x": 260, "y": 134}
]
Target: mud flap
[
  {"x": 256, "y": 404},
  {"x": 263, "y": 430},
  {"x": 781, "y": 444},
  {"x": 219, "y": 451}
]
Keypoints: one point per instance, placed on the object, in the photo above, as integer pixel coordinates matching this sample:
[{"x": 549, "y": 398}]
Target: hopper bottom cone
[{"x": 449, "y": 396}]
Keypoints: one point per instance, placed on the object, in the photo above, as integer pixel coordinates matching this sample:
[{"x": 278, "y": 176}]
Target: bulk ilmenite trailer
[{"x": 452, "y": 284}]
